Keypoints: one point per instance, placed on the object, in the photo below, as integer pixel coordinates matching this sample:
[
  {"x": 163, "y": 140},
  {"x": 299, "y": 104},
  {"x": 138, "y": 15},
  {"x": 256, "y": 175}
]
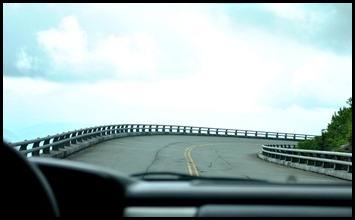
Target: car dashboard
[{"x": 85, "y": 190}]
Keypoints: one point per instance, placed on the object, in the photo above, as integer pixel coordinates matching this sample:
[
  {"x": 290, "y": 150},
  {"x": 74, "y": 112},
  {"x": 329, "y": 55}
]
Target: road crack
[{"x": 156, "y": 157}]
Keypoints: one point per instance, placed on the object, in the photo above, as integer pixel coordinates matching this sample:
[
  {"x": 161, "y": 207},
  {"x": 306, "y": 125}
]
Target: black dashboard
[
  {"x": 100, "y": 192},
  {"x": 89, "y": 191}
]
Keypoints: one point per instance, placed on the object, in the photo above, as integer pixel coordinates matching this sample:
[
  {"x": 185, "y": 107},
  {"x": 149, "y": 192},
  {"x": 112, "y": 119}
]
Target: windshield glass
[{"x": 246, "y": 91}]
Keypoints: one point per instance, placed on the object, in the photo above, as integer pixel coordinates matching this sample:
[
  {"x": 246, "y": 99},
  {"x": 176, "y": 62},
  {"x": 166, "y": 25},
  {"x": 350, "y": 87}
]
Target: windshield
[{"x": 244, "y": 91}]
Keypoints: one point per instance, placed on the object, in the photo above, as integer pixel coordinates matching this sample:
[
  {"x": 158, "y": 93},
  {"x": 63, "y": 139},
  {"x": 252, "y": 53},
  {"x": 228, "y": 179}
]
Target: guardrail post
[
  {"x": 79, "y": 139},
  {"x": 35, "y": 145},
  {"x": 91, "y": 131},
  {"x": 318, "y": 163},
  {"x": 23, "y": 147},
  {"x": 67, "y": 143},
  {"x": 85, "y": 137},
  {"x": 97, "y": 132},
  {"x": 108, "y": 130},
  {"x": 328, "y": 165},
  {"x": 311, "y": 162},
  {"x": 295, "y": 159},
  {"x": 104, "y": 129},
  {"x": 88, "y": 131},
  {"x": 55, "y": 147},
  {"x": 73, "y": 135},
  {"x": 94, "y": 132},
  {"x": 46, "y": 150},
  {"x": 338, "y": 166},
  {"x": 302, "y": 160},
  {"x": 61, "y": 138}
]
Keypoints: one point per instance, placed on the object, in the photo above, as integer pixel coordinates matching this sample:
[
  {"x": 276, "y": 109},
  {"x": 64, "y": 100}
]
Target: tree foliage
[{"x": 338, "y": 132}]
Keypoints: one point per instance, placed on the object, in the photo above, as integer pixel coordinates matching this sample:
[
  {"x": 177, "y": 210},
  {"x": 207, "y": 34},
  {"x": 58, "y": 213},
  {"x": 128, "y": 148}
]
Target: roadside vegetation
[{"x": 338, "y": 134}]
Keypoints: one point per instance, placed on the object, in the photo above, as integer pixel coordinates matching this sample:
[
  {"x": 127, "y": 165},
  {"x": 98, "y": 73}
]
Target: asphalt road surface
[{"x": 196, "y": 156}]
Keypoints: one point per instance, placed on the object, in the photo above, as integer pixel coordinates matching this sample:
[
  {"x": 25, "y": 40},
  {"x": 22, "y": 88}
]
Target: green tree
[{"x": 338, "y": 132}]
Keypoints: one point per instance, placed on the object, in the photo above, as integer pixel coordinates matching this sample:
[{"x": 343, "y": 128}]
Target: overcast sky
[{"x": 268, "y": 67}]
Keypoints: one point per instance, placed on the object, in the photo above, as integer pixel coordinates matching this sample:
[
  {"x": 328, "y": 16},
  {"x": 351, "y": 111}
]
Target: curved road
[{"x": 195, "y": 156}]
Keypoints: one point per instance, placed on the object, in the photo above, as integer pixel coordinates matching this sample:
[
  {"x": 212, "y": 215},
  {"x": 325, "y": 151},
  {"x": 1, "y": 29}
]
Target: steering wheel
[{"x": 25, "y": 190}]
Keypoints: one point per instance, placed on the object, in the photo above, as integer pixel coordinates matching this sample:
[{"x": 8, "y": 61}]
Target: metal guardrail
[
  {"x": 46, "y": 145},
  {"x": 322, "y": 159}
]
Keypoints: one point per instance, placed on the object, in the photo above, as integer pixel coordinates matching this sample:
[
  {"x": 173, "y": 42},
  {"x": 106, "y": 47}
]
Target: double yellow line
[{"x": 190, "y": 162}]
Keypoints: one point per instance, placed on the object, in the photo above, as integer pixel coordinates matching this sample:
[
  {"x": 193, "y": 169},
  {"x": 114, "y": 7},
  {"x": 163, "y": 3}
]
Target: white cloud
[
  {"x": 121, "y": 55},
  {"x": 65, "y": 45},
  {"x": 161, "y": 102},
  {"x": 303, "y": 14},
  {"x": 28, "y": 87},
  {"x": 237, "y": 78},
  {"x": 129, "y": 54},
  {"x": 291, "y": 11},
  {"x": 24, "y": 61},
  {"x": 324, "y": 77}
]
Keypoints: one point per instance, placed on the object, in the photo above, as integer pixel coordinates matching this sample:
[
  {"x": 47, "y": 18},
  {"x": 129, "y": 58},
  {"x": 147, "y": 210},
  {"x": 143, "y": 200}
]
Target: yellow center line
[{"x": 190, "y": 162}]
